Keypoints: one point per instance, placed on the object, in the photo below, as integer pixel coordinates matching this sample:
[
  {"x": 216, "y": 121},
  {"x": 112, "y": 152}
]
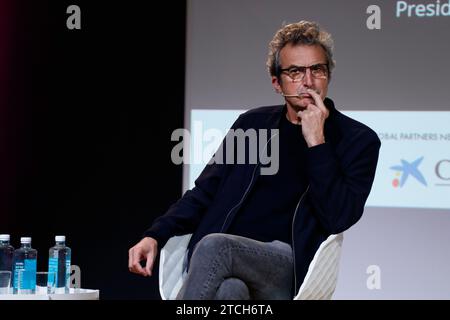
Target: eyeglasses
[{"x": 297, "y": 73}]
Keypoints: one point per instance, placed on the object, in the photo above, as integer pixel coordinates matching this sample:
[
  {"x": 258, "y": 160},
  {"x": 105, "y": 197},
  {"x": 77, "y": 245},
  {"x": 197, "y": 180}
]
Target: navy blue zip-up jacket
[{"x": 340, "y": 175}]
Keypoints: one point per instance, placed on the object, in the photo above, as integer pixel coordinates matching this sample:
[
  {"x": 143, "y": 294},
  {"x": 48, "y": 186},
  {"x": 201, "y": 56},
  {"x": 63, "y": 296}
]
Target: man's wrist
[
  {"x": 151, "y": 241},
  {"x": 315, "y": 141}
]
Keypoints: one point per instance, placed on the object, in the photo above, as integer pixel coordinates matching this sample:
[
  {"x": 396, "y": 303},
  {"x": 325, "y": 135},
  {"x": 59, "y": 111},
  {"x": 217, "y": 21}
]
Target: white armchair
[{"x": 319, "y": 283}]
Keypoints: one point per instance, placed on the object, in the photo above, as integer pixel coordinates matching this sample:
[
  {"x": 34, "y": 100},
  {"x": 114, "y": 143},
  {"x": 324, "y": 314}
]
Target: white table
[{"x": 74, "y": 294}]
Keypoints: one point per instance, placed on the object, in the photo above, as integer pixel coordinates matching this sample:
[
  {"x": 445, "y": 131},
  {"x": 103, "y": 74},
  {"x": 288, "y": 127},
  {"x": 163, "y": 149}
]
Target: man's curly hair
[{"x": 300, "y": 33}]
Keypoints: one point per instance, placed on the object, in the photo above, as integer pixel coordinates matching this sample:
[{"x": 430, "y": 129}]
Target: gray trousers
[{"x": 229, "y": 267}]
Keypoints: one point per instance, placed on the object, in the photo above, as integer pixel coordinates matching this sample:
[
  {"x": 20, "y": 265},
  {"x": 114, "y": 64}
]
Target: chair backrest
[
  {"x": 319, "y": 283},
  {"x": 321, "y": 279}
]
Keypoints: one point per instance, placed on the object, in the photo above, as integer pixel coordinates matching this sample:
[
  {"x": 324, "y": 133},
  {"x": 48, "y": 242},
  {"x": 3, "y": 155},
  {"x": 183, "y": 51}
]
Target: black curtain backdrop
[{"x": 87, "y": 117}]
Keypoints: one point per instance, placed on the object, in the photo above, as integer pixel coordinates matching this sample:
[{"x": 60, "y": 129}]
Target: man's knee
[
  {"x": 212, "y": 244},
  {"x": 233, "y": 289}
]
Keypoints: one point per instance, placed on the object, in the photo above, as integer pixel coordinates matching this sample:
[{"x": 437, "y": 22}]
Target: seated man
[{"x": 255, "y": 234}]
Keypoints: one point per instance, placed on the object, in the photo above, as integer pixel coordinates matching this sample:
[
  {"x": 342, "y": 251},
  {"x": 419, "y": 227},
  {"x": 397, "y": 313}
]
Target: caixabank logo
[{"x": 407, "y": 169}]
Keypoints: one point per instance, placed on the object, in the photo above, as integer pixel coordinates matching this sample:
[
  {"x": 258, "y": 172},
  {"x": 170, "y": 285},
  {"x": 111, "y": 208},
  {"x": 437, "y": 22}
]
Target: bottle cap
[
  {"x": 4, "y": 237},
  {"x": 25, "y": 240},
  {"x": 60, "y": 238}
]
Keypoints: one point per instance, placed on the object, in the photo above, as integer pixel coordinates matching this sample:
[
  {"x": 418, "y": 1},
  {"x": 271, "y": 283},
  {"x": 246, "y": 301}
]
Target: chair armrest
[
  {"x": 321, "y": 279},
  {"x": 172, "y": 266}
]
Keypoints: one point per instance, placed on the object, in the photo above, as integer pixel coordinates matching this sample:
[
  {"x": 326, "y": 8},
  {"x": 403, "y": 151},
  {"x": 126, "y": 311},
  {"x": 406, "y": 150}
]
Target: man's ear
[{"x": 276, "y": 84}]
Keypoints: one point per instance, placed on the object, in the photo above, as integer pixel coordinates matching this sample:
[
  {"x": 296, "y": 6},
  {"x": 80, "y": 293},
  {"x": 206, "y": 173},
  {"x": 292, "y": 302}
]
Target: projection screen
[{"x": 392, "y": 77}]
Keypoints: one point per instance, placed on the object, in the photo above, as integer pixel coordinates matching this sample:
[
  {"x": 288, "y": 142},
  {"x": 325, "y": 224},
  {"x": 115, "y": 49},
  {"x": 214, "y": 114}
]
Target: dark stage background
[{"x": 86, "y": 118}]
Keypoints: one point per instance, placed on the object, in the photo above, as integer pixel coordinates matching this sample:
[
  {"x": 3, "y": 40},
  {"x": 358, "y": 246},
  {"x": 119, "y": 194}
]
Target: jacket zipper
[
  {"x": 242, "y": 199},
  {"x": 293, "y": 241},
  {"x": 248, "y": 187}
]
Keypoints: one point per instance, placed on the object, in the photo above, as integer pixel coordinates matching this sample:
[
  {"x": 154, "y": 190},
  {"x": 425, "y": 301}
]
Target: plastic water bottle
[
  {"x": 59, "y": 264},
  {"x": 6, "y": 253},
  {"x": 24, "y": 262}
]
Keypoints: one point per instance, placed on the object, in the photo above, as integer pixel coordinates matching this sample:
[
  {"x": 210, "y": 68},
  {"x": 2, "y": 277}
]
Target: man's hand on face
[{"x": 313, "y": 120}]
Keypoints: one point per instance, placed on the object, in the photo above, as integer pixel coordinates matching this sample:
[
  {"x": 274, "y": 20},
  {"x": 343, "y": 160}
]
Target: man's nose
[{"x": 308, "y": 78}]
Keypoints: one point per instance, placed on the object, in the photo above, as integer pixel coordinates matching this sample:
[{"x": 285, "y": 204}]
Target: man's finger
[
  {"x": 130, "y": 259},
  {"x": 318, "y": 100},
  {"x": 135, "y": 264}
]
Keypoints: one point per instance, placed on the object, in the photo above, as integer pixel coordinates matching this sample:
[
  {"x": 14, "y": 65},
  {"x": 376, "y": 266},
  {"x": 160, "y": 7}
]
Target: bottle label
[
  {"x": 25, "y": 275},
  {"x": 53, "y": 269},
  {"x": 68, "y": 273}
]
